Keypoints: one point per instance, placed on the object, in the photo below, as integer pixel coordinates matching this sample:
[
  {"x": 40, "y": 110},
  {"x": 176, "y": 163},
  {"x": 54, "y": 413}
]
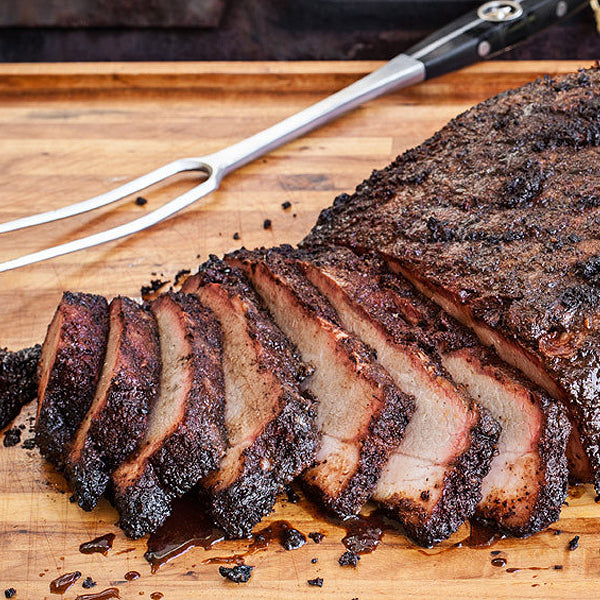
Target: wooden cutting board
[{"x": 68, "y": 132}]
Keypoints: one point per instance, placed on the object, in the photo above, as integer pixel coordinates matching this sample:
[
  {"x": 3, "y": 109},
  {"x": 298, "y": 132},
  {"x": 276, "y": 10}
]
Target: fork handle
[{"x": 479, "y": 34}]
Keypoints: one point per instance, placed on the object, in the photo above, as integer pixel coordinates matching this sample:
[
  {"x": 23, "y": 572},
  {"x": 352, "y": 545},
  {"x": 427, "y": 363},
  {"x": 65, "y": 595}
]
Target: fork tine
[
  {"x": 149, "y": 219},
  {"x": 131, "y": 187}
]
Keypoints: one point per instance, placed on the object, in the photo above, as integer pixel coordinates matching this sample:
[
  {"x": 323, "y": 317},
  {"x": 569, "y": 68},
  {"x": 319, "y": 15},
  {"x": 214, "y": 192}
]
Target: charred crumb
[
  {"x": 155, "y": 285},
  {"x": 496, "y": 552},
  {"x": 140, "y": 201},
  {"x": 88, "y": 583},
  {"x": 557, "y": 531},
  {"x": 237, "y": 574},
  {"x": 589, "y": 269},
  {"x": 574, "y": 543},
  {"x": 285, "y": 205},
  {"x": 292, "y": 539},
  {"x": 29, "y": 444},
  {"x": 294, "y": 216},
  {"x": 10, "y": 592},
  {"x": 317, "y": 581},
  {"x": 236, "y": 235},
  {"x": 316, "y": 537},
  {"x": 314, "y": 561},
  {"x": 348, "y": 559},
  {"x": 21, "y": 427},
  {"x": 181, "y": 274},
  {"x": 12, "y": 437},
  {"x": 558, "y": 567},
  {"x": 425, "y": 495},
  {"x": 291, "y": 495},
  {"x": 267, "y": 224},
  {"x": 18, "y": 381},
  {"x": 440, "y": 231}
]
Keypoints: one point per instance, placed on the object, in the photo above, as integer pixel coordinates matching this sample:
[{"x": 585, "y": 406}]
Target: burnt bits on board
[{"x": 18, "y": 383}]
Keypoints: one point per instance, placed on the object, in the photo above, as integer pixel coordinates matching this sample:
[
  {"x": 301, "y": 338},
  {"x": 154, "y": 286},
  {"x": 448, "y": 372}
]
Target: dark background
[{"x": 260, "y": 30}]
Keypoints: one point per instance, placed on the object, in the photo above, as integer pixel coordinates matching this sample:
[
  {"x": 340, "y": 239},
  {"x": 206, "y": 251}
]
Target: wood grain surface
[{"x": 68, "y": 132}]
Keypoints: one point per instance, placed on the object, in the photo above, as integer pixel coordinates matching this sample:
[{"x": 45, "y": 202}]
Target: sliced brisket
[
  {"x": 362, "y": 415},
  {"x": 18, "y": 381},
  {"x": 497, "y": 218},
  {"x": 116, "y": 420},
  {"x": 186, "y": 436},
  {"x": 527, "y": 483},
  {"x": 432, "y": 481},
  {"x": 270, "y": 424},
  {"x": 68, "y": 372}
]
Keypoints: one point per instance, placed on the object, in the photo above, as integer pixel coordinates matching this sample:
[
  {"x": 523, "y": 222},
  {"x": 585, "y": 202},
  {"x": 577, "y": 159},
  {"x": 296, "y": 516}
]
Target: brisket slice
[
  {"x": 432, "y": 481},
  {"x": 68, "y": 371},
  {"x": 497, "y": 218},
  {"x": 186, "y": 437},
  {"x": 270, "y": 424},
  {"x": 18, "y": 381},
  {"x": 362, "y": 415},
  {"x": 116, "y": 420},
  {"x": 527, "y": 483}
]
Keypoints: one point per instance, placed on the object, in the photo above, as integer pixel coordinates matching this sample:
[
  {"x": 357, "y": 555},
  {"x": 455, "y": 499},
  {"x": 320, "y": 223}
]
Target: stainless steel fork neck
[{"x": 401, "y": 71}]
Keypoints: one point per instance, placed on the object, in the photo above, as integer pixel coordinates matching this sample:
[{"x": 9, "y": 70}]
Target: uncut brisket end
[
  {"x": 270, "y": 423},
  {"x": 117, "y": 419},
  {"x": 68, "y": 371},
  {"x": 362, "y": 415},
  {"x": 497, "y": 218},
  {"x": 18, "y": 381},
  {"x": 432, "y": 480},
  {"x": 186, "y": 436},
  {"x": 527, "y": 482}
]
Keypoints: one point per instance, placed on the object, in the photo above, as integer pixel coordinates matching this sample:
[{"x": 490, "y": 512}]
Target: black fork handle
[{"x": 487, "y": 31}]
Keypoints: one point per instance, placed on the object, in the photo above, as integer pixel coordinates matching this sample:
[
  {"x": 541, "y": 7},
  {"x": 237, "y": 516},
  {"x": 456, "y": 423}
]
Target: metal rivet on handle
[
  {"x": 561, "y": 9},
  {"x": 500, "y": 11},
  {"x": 484, "y": 48}
]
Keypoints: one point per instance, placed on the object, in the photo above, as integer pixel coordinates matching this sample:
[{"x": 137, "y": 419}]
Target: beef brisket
[
  {"x": 432, "y": 481},
  {"x": 18, "y": 381},
  {"x": 68, "y": 372},
  {"x": 116, "y": 420},
  {"x": 362, "y": 415},
  {"x": 497, "y": 218},
  {"x": 186, "y": 437},
  {"x": 270, "y": 424},
  {"x": 527, "y": 483}
]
